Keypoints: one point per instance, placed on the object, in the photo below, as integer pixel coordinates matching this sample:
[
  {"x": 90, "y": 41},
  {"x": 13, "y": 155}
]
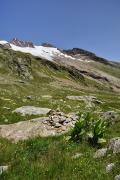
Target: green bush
[
  {"x": 79, "y": 130},
  {"x": 98, "y": 128},
  {"x": 89, "y": 128}
]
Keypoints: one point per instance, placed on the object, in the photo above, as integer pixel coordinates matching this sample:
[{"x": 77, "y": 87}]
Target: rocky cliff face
[{"x": 20, "y": 43}]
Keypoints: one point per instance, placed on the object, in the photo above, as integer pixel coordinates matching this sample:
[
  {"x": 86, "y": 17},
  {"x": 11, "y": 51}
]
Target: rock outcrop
[
  {"x": 57, "y": 123},
  {"x": 19, "y": 43},
  {"x": 31, "y": 110},
  {"x": 88, "y": 100},
  {"x": 110, "y": 116}
]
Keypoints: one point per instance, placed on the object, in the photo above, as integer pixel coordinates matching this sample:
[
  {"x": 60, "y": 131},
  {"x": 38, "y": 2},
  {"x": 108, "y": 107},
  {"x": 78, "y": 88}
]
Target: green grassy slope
[{"x": 22, "y": 75}]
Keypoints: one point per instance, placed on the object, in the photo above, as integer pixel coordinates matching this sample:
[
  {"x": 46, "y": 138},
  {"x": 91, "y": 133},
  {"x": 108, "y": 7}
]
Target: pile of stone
[{"x": 58, "y": 119}]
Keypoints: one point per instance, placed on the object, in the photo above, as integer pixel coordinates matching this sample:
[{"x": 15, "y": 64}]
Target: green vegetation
[
  {"x": 90, "y": 128},
  {"x": 52, "y": 158}
]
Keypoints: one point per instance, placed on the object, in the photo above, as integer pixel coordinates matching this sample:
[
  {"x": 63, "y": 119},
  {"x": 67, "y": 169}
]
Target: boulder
[
  {"x": 88, "y": 100},
  {"x": 110, "y": 116},
  {"x": 31, "y": 110},
  {"x": 110, "y": 167},
  {"x": 57, "y": 123},
  {"x": 114, "y": 145},
  {"x": 100, "y": 153}
]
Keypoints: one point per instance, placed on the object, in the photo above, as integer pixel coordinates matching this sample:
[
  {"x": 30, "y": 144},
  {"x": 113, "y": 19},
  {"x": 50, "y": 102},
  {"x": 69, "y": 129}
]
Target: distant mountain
[{"x": 78, "y": 63}]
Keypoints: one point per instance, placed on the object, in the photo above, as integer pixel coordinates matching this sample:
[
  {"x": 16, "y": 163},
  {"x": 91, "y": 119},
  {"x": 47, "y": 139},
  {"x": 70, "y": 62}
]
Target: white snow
[
  {"x": 40, "y": 51},
  {"x": 48, "y": 53},
  {"x": 3, "y": 42}
]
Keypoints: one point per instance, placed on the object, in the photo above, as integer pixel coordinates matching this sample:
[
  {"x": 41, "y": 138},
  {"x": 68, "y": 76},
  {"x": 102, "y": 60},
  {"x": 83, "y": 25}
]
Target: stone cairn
[{"x": 61, "y": 121}]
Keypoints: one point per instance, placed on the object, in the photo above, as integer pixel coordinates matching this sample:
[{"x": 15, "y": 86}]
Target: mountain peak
[
  {"x": 47, "y": 45},
  {"x": 20, "y": 43}
]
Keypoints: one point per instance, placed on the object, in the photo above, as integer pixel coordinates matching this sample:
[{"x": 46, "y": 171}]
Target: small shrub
[
  {"x": 90, "y": 128},
  {"x": 98, "y": 128},
  {"x": 79, "y": 130}
]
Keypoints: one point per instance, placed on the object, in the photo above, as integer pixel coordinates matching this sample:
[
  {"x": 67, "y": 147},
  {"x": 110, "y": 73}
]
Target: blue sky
[{"x": 88, "y": 24}]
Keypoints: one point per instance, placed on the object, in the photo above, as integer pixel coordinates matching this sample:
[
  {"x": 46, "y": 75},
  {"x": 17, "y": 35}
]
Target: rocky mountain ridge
[{"x": 80, "y": 64}]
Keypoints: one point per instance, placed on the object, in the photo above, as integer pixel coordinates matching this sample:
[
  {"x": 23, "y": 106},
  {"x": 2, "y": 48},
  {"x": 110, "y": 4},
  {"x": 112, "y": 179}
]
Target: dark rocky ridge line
[{"x": 88, "y": 54}]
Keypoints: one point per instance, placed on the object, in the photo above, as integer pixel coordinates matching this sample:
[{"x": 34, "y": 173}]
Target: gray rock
[
  {"x": 100, "y": 153},
  {"x": 29, "y": 97},
  {"x": 57, "y": 125},
  {"x": 68, "y": 120},
  {"x": 62, "y": 119},
  {"x": 117, "y": 177},
  {"x": 114, "y": 145},
  {"x": 77, "y": 155},
  {"x": 3, "y": 169},
  {"x": 110, "y": 167},
  {"x": 73, "y": 116},
  {"x": 110, "y": 116},
  {"x": 31, "y": 110},
  {"x": 84, "y": 98}
]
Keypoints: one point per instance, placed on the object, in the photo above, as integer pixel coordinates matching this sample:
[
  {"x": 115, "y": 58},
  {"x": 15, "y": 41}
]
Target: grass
[{"x": 51, "y": 158}]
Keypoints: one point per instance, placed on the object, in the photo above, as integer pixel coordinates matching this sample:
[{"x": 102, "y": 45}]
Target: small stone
[
  {"x": 45, "y": 122},
  {"x": 29, "y": 97},
  {"x": 60, "y": 113},
  {"x": 110, "y": 167},
  {"x": 100, "y": 153},
  {"x": 63, "y": 128},
  {"x": 77, "y": 155},
  {"x": 114, "y": 145},
  {"x": 56, "y": 119},
  {"x": 68, "y": 120},
  {"x": 57, "y": 125},
  {"x": 117, "y": 177},
  {"x": 110, "y": 116},
  {"x": 3, "y": 169},
  {"x": 62, "y": 119}
]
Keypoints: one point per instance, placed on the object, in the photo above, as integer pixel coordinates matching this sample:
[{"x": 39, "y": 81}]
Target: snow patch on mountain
[
  {"x": 3, "y": 42},
  {"x": 48, "y": 53}
]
